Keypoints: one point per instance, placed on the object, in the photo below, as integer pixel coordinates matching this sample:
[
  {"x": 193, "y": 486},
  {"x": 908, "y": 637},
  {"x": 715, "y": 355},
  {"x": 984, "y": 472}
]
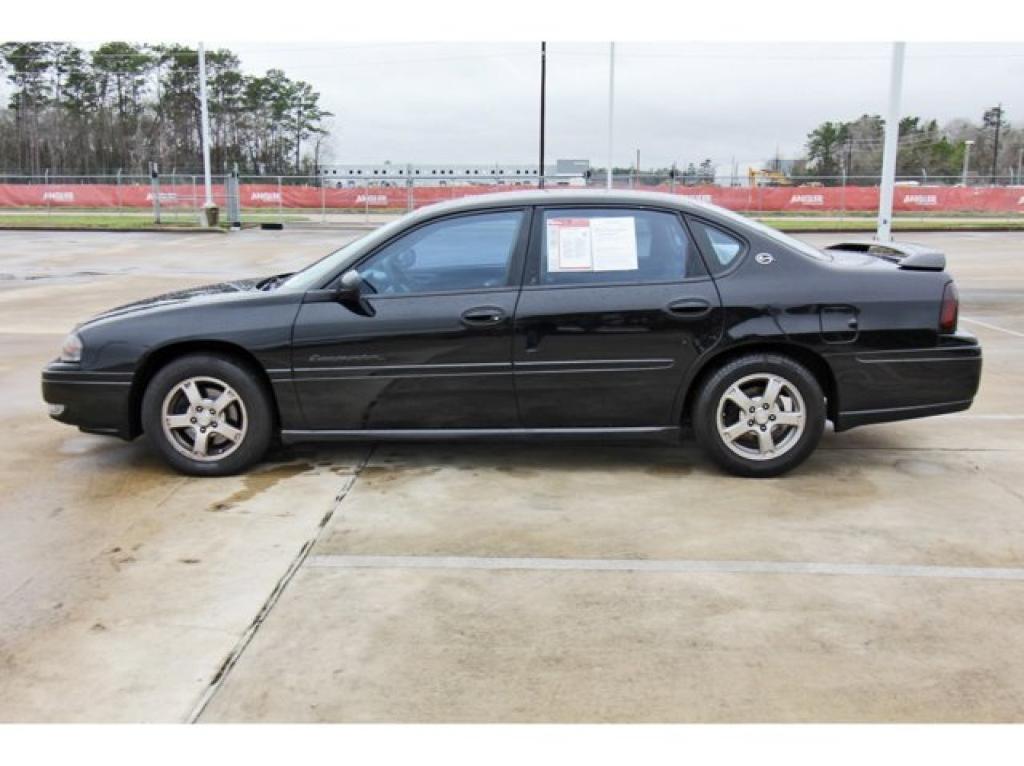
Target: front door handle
[
  {"x": 483, "y": 316},
  {"x": 688, "y": 308}
]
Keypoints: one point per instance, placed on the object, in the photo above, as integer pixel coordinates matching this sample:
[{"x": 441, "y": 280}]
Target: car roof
[{"x": 566, "y": 196}]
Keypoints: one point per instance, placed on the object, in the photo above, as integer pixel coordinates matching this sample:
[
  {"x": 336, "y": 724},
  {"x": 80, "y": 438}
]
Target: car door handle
[
  {"x": 688, "y": 308},
  {"x": 483, "y": 316}
]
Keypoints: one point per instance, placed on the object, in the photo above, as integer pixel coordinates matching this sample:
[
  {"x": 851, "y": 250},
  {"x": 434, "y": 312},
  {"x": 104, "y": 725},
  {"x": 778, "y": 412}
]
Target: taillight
[{"x": 950, "y": 309}]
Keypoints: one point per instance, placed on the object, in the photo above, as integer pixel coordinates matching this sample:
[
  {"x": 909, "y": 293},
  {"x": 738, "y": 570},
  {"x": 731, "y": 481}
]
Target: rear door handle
[
  {"x": 483, "y": 316},
  {"x": 688, "y": 308}
]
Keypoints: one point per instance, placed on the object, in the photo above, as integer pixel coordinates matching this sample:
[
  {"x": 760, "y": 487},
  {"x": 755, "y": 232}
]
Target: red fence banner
[{"x": 790, "y": 199}]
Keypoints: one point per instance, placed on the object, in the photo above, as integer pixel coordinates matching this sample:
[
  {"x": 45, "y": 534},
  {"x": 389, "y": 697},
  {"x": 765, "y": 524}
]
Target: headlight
[{"x": 71, "y": 349}]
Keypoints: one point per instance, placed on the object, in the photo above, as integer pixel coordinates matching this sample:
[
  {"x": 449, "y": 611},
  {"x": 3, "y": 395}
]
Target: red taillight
[{"x": 950, "y": 308}]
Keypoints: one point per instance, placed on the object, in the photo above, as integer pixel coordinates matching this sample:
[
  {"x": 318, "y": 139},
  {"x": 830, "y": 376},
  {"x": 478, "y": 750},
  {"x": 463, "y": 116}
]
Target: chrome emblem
[{"x": 764, "y": 258}]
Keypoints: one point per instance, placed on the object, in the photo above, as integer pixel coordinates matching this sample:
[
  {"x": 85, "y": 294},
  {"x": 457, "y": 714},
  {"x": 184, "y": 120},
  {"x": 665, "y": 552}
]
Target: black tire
[
  {"x": 253, "y": 408},
  {"x": 795, "y": 445}
]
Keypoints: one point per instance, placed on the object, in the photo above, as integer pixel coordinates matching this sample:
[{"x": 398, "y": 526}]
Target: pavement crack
[{"x": 219, "y": 678}]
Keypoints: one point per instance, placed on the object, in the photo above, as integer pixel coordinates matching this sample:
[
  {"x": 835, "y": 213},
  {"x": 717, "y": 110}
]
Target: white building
[{"x": 344, "y": 175}]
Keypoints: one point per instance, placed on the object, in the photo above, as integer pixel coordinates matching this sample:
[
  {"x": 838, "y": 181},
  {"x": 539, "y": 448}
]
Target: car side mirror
[
  {"x": 350, "y": 293},
  {"x": 350, "y": 286}
]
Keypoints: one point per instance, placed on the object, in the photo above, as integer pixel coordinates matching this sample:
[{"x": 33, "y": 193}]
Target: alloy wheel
[
  {"x": 761, "y": 416},
  {"x": 204, "y": 419}
]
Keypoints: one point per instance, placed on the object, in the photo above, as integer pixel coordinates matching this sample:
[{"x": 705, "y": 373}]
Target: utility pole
[
  {"x": 637, "y": 174},
  {"x": 892, "y": 131},
  {"x": 543, "y": 99},
  {"x": 611, "y": 111},
  {"x": 205, "y": 129},
  {"x": 998, "y": 112}
]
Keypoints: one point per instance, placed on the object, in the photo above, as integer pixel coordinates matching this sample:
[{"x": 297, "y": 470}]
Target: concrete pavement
[{"x": 378, "y": 584}]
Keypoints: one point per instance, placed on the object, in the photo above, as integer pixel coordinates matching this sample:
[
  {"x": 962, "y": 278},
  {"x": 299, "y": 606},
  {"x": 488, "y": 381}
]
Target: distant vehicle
[{"x": 543, "y": 314}]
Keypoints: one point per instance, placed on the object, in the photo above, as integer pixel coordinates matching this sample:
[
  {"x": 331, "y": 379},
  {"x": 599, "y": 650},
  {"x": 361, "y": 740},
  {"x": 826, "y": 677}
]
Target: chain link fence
[{"x": 173, "y": 198}]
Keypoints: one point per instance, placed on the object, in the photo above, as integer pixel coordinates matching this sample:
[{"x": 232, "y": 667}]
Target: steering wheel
[{"x": 397, "y": 275}]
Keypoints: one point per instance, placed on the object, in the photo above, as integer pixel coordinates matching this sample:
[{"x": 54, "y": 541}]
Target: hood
[{"x": 204, "y": 293}]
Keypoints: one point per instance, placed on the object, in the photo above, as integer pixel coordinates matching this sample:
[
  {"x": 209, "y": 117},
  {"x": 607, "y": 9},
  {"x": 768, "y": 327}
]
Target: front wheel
[
  {"x": 759, "y": 415},
  {"x": 207, "y": 415}
]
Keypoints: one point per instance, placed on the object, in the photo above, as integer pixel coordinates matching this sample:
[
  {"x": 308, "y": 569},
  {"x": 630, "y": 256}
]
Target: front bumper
[
  {"x": 96, "y": 402},
  {"x": 882, "y": 386}
]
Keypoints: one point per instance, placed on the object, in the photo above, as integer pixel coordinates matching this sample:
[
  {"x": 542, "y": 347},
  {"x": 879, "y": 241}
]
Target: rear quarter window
[{"x": 722, "y": 247}]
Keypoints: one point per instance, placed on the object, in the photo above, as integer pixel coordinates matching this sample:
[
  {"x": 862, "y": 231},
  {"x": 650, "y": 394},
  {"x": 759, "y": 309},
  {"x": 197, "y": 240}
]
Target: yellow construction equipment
[{"x": 768, "y": 178}]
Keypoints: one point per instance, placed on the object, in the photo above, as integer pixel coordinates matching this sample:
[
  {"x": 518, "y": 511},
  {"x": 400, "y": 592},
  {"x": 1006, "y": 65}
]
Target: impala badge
[{"x": 764, "y": 258}]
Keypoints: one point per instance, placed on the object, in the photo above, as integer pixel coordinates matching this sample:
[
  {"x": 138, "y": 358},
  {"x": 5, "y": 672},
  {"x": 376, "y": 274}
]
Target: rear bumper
[
  {"x": 95, "y": 402},
  {"x": 882, "y": 386}
]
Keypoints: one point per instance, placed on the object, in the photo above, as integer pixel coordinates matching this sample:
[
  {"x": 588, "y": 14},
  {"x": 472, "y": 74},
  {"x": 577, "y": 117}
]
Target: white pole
[
  {"x": 611, "y": 110},
  {"x": 892, "y": 132},
  {"x": 967, "y": 160},
  {"x": 205, "y": 128}
]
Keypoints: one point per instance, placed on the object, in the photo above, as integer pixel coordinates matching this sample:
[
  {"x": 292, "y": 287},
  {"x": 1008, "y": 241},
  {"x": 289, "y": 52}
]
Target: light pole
[
  {"x": 209, "y": 209},
  {"x": 892, "y": 127},
  {"x": 611, "y": 111},
  {"x": 543, "y": 104},
  {"x": 967, "y": 159}
]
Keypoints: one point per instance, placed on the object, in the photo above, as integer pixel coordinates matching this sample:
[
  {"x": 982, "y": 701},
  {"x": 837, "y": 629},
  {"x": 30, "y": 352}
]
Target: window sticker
[{"x": 592, "y": 244}]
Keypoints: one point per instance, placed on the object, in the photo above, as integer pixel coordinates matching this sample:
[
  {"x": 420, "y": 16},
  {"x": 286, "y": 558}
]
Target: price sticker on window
[{"x": 592, "y": 244}]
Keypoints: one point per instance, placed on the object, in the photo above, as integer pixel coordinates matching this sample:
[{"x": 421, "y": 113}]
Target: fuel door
[{"x": 838, "y": 324}]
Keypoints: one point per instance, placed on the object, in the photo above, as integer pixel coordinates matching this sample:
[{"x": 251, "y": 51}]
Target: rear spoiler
[{"x": 906, "y": 254}]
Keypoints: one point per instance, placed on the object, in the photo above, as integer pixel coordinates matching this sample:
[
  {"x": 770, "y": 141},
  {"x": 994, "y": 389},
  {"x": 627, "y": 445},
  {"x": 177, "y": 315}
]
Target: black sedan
[{"x": 546, "y": 314}]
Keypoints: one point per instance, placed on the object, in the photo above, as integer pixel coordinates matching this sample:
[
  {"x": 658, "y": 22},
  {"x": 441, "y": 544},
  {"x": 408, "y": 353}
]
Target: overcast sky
[{"x": 479, "y": 102}]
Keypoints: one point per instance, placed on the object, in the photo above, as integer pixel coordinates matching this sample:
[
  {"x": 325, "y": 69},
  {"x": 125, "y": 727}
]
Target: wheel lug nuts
[
  {"x": 212, "y": 411},
  {"x": 750, "y": 422},
  {"x": 752, "y": 410},
  {"x": 765, "y": 406},
  {"x": 193, "y": 420},
  {"x": 771, "y": 417},
  {"x": 213, "y": 425},
  {"x": 199, "y": 409},
  {"x": 203, "y": 429},
  {"x": 762, "y": 428}
]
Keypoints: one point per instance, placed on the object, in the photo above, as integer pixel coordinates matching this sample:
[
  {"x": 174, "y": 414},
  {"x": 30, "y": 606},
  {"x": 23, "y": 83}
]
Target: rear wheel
[
  {"x": 759, "y": 415},
  {"x": 207, "y": 415}
]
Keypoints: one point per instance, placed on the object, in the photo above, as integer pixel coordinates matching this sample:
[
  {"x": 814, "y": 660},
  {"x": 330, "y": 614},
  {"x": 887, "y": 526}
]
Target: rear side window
[
  {"x": 587, "y": 246},
  {"x": 723, "y": 247}
]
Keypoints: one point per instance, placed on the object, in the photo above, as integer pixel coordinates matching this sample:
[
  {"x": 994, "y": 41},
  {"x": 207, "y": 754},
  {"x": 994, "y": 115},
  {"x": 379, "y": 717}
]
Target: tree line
[
  {"x": 124, "y": 105},
  {"x": 926, "y": 151}
]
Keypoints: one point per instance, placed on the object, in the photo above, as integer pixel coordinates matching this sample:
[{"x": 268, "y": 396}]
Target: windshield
[
  {"x": 774, "y": 234},
  {"x": 318, "y": 272}
]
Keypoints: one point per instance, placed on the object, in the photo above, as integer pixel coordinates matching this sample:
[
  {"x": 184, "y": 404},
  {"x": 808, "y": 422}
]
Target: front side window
[
  {"x": 592, "y": 246},
  {"x": 470, "y": 252}
]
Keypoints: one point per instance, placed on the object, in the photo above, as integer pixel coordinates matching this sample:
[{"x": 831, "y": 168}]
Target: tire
[
  {"x": 218, "y": 396},
  {"x": 772, "y": 439}
]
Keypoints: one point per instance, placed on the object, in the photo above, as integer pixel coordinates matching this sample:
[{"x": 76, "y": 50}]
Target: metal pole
[
  {"x": 892, "y": 130},
  {"x": 543, "y": 99},
  {"x": 323, "y": 200},
  {"x": 995, "y": 148},
  {"x": 967, "y": 158},
  {"x": 611, "y": 111},
  {"x": 205, "y": 118},
  {"x": 409, "y": 190},
  {"x": 154, "y": 185},
  {"x": 1020, "y": 165}
]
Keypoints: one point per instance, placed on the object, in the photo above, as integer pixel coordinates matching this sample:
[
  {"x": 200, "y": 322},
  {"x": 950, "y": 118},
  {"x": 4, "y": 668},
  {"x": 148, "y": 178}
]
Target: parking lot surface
[{"x": 881, "y": 581}]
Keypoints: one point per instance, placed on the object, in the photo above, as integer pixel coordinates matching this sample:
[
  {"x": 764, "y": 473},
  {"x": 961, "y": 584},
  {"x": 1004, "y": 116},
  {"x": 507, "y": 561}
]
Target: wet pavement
[{"x": 498, "y": 582}]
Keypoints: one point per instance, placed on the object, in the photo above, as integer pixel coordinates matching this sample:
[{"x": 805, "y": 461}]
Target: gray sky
[{"x": 479, "y": 102}]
